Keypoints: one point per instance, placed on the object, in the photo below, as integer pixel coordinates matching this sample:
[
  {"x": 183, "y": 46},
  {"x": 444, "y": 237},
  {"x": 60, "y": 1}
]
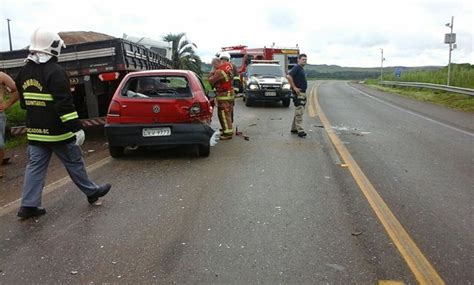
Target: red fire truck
[{"x": 241, "y": 56}]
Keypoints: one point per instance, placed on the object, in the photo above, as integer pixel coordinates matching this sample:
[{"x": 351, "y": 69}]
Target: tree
[{"x": 183, "y": 53}]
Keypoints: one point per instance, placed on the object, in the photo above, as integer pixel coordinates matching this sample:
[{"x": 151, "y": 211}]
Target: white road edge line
[{"x": 412, "y": 113}]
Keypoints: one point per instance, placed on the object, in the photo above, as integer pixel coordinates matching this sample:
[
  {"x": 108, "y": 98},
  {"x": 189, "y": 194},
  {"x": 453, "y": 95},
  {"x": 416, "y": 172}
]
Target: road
[{"x": 274, "y": 209}]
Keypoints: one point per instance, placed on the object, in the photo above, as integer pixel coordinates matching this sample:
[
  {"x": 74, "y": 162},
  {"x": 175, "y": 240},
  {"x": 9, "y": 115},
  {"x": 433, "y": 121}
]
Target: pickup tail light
[{"x": 114, "y": 109}]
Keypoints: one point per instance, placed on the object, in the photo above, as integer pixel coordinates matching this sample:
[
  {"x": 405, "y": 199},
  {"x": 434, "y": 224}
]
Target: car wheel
[
  {"x": 248, "y": 102},
  {"x": 116, "y": 151},
  {"x": 204, "y": 150},
  {"x": 286, "y": 102}
]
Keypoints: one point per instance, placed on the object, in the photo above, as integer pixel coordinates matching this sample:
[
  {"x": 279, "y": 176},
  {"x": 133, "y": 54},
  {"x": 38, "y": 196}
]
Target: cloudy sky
[{"x": 346, "y": 33}]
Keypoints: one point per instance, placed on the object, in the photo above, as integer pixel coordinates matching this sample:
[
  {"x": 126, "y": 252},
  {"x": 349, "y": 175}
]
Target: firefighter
[
  {"x": 221, "y": 80},
  {"x": 52, "y": 123}
]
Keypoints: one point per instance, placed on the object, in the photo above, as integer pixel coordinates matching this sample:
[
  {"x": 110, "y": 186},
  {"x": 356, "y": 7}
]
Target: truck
[
  {"x": 95, "y": 69},
  {"x": 242, "y": 55}
]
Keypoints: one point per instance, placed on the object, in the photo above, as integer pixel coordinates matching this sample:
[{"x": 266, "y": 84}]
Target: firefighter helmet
[
  {"x": 45, "y": 41},
  {"x": 224, "y": 55}
]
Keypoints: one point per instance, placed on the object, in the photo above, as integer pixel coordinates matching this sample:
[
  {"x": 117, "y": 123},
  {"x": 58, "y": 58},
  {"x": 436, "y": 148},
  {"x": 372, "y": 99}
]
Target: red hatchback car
[{"x": 159, "y": 108}]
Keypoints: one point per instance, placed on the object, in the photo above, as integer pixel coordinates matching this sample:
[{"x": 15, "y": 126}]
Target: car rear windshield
[
  {"x": 157, "y": 87},
  {"x": 258, "y": 70}
]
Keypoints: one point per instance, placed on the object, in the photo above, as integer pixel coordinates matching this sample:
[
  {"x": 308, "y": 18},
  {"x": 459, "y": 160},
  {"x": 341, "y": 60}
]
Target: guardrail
[{"x": 465, "y": 91}]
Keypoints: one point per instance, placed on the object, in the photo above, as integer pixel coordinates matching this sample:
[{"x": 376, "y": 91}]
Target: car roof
[
  {"x": 161, "y": 72},
  {"x": 264, "y": 64}
]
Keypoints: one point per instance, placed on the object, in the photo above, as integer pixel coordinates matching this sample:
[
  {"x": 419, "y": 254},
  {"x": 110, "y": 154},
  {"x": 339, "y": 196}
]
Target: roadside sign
[
  {"x": 398, "y": 72},
  {"x": 450, "y": 38}
]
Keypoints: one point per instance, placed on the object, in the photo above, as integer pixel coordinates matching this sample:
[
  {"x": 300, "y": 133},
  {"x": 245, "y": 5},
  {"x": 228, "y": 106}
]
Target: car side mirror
[{"x": 211, "y": 94}]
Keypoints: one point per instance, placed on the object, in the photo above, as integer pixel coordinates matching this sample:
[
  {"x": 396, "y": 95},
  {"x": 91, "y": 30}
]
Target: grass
[
  {"x": 15, "y": 117},
  {"x": 462, "y": 75},
  {"x": 452, "y": 100},
  {"x": 13, "y": 142}
]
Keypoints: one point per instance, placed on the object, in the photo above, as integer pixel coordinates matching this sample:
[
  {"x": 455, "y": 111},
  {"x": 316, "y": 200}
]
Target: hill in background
[{"x": 324, "y": 71}]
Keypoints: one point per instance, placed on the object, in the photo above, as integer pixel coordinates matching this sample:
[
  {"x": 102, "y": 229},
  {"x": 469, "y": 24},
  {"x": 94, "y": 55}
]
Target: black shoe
[
  {"x": 294, "y": 131},
  {"x": 301, "y": 134},
  {"x": 30, "y": 212},
  {"x": 101, "y": 192}
]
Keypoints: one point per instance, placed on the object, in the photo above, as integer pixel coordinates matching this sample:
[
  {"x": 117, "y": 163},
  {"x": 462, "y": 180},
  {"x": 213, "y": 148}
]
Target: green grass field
[{"x": 452, "y": 100}]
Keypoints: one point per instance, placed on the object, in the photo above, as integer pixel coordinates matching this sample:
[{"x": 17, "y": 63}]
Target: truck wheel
[
  {"x": 116, "y": 151},
  {"x": 204, "y": 150},
  {"x": 286, "y": 102}
]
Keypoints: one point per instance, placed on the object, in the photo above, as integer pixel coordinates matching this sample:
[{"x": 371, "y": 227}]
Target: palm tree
[{"x": 184, "y": 55}]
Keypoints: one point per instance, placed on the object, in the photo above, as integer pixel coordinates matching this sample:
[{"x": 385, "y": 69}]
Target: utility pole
[
  {"x": 9, "y": 34},
  {"x": 450, "y": 39},
  {"x": 381, "y": 64}
]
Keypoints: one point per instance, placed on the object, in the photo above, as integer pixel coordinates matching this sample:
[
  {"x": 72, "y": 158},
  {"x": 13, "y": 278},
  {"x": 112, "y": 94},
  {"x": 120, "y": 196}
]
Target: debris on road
[{"x": 240, "y": 134}]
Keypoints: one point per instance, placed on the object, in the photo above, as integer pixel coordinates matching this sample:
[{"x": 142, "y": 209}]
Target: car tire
[
  {"x": 204, "y": 150},
  {"x": 248, "y": 102},
  {"x": 116, "y": 151},
  {"x": 286, "y": 102}
]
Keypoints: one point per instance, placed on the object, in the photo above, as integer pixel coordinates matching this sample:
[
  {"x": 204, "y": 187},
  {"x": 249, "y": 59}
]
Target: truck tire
[
  {"x": 286, "y": 102},
  {"x": 116, "y": 151},
  {"x": 204, "y": 150}
]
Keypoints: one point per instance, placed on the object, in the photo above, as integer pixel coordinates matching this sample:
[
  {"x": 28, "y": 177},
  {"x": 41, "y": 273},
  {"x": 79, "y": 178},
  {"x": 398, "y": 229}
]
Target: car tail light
[
  {"x": 114, "y": 109},
  {"x": 195, "y": 109}
]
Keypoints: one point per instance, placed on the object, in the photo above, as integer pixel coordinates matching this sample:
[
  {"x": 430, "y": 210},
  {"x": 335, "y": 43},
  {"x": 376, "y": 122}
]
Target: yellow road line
[
  {"x": 53, "y": 186},
  {"x": 420, "y": 266}
]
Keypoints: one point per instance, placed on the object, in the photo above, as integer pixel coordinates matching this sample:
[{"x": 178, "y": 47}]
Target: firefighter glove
[{"x": 80, "y": 137}]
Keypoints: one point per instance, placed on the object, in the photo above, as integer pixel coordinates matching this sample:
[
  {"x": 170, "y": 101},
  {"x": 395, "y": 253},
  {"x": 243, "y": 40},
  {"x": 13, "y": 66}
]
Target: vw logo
[{"x": 156, "y": 109}]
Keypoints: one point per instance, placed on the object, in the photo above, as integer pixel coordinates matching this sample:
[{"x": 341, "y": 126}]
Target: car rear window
[{"x": 157, "y": 87}]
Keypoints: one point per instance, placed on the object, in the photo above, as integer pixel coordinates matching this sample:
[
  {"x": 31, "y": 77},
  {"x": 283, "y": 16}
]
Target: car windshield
[
  {"x": 157, "y": 86},
  {"x": 259, "y": 70}
]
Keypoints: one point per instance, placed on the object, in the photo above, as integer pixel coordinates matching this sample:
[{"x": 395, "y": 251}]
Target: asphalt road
[
  {"x": 274, "y": 209},
  {"x": 420, "y": 158}
]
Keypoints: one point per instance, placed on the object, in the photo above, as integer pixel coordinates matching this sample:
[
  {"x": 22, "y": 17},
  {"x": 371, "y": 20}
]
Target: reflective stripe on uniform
[
  {"x": 227, "y": 132},
  {"x": 38, "y": 96},
  {"x": 226, "y": 78},
  {"x": 230, "y": 96},
  {"x": 49, "y": 138},
  {"x": 70, "y": 116},
  {"x": 226, "y": 129}
]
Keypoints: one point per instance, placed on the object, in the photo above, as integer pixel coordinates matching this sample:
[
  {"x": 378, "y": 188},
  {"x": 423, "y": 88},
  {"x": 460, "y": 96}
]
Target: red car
[{"x": 159, "y": 108}]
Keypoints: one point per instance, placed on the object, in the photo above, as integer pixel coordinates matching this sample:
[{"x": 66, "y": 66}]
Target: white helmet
[
  {"x": 46, "y": 41},
  {"x": 224, "y": 55}
]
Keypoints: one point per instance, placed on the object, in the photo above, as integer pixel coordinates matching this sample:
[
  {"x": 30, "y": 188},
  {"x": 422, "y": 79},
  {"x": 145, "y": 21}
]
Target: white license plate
[
  {"x": 270, "y": 93},
  {"x": 156, "y": 132}
]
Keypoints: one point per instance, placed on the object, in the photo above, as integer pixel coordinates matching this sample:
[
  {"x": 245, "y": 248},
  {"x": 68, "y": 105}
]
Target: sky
[{"x": 345, "y": 33}]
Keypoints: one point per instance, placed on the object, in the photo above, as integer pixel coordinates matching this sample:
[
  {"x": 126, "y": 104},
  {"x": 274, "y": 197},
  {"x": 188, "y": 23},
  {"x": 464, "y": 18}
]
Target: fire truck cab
[{"x": 241, "y": 56}]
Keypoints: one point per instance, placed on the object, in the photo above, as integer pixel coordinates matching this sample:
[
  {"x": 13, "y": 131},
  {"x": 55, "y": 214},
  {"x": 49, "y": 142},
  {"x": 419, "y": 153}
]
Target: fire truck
[{"x": 241, "y": 56}]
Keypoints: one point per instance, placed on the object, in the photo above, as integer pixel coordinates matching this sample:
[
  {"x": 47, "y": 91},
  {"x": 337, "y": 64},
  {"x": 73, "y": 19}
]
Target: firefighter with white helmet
[
  {"x": 52, "y": 123},
  {"x": 221, "y": 79}
]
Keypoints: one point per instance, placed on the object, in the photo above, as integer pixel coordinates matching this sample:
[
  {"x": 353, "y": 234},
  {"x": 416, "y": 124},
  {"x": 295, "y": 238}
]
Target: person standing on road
[
  {"x": 221, "y": 79},
  {"x": 6, "y": 84},
  {"x": 52, "y": 123},
  {"x": 298, "y": 82}
]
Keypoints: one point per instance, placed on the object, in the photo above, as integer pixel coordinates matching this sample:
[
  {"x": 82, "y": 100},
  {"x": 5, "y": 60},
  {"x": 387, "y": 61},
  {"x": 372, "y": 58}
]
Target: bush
[{"x": 15, "y": 116}]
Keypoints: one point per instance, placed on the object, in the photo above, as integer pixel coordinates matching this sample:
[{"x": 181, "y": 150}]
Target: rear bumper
[
  {"x": 259, "y": 95},
  {"x": 181, "y": 134}
]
